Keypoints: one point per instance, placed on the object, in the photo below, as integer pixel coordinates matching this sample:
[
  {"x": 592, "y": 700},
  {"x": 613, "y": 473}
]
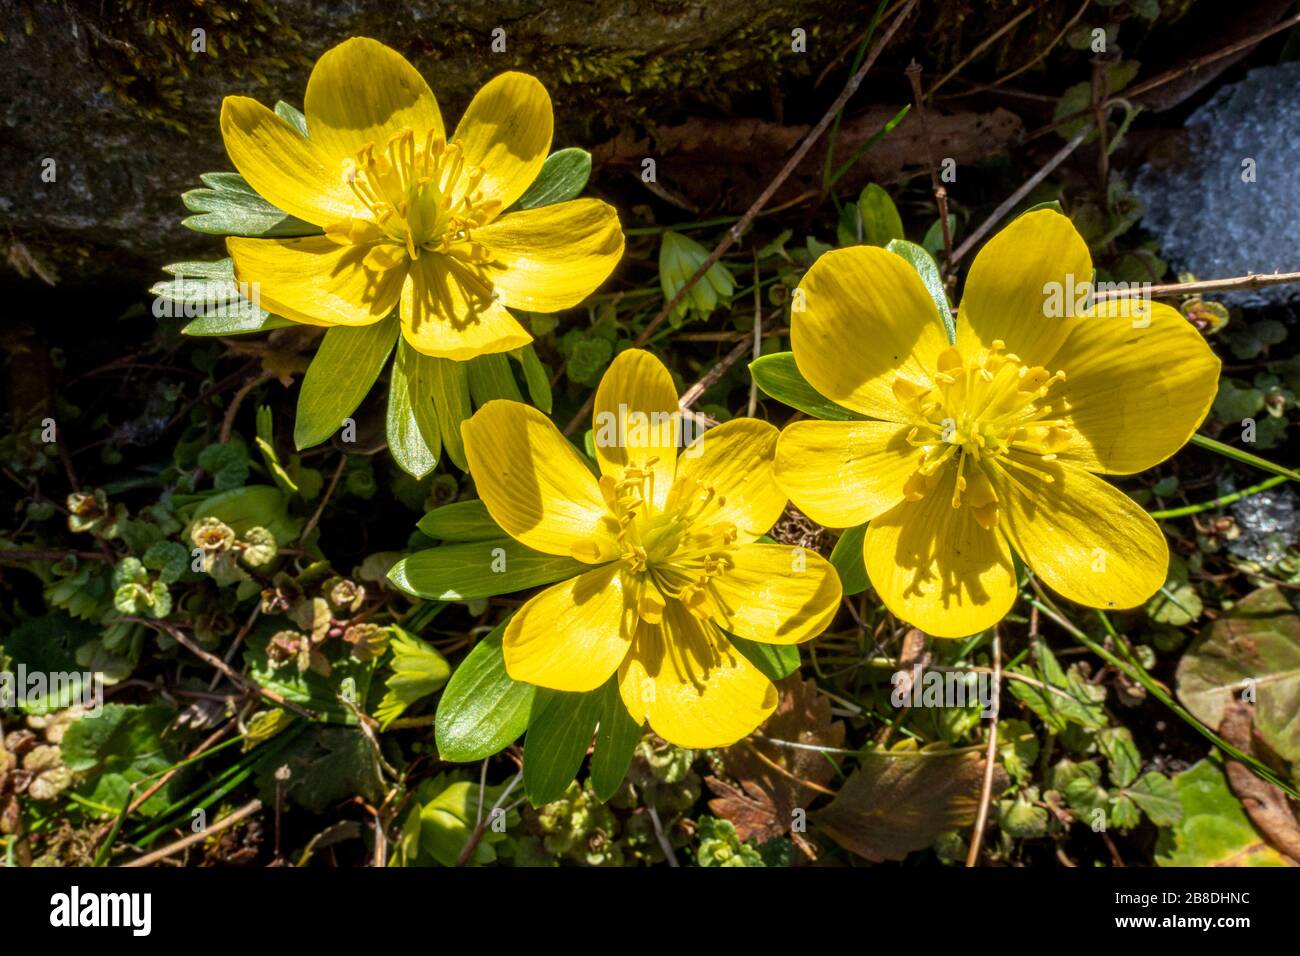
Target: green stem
[
  {"x": 1136, "y": 672},
  {"x": 1220, "y": 501},
  {"x": 1245, "y": 457}
]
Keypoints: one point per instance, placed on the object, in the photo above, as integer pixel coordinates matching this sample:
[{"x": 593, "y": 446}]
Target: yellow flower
[
  {"x": 992, "y": 445},
  {"x": 411, "y": 218},
  {"x": 672, "y": 544}
]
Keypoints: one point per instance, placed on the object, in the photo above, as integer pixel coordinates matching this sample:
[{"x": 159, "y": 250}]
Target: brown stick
[
  {"x": 692, "y": 394},
  {"x": 247, "y": 810},
  {"x": 732, "y": 235},
  {"x": 940, "y": 193},
  {"x": 1236, "y": 284},
  {"x": 1025, "y": 189},
  {"x": 236, "y": 678},
  {"x": 990, "y": 757}
]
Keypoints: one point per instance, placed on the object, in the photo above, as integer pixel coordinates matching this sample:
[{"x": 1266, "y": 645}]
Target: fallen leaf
[
  {"x": 901, "y": 799},
  {"x": 1214, "y": 831},
  {"x": 774, "y": 780},
  {"x": 1252, "y": 650},
  {"x": 1266, "y": 805}
]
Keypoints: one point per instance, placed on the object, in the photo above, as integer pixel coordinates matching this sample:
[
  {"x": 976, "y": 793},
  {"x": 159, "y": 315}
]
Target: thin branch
[
  {"x": 247, "y": 810},
  {"x": 1025, "y": 189},
  {"x": 236, "y": 678},
  {"x": 329, "y": 492},
  {"x": 1236, "y": 284},
  {"x": 732, "y": 235},
  {"x": 990, "y": 756},
  {"x": 940, "y": 193},
  {"x": 692, "y": 394}
]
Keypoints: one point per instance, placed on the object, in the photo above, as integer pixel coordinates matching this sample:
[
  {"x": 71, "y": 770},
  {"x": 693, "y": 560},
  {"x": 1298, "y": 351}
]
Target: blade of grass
[
  {"x": 1132, "y": 669},
  {"x": 1220, "y": 501},
  {"x": 1245, "y": 457}
]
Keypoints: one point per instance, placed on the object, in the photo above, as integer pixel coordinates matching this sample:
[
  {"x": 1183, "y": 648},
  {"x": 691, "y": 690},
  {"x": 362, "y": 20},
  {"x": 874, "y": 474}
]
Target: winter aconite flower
[
  {"x": 672, "y": 544},
  {"x": 994, "y": 444},
  {"x": 413, "y": 218}
]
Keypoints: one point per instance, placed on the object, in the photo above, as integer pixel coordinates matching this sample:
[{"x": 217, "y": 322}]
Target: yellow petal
[
  {"x": 775, "y": 593},
  {"x": 1010, "y": 286},
  {"x": 317, "y": 280},
  {"x": 363, "y": 92},
  {"x": 691, "y": 684},
  {"x": 936, "y": 568},
  {"x": 635, "y": 420},
  {"x": 1139, "y": 383},
  {"x": 865, "y": 320},
  {"x": 1083, "y": 538},
  {"x": 534, "y": 483},
  {"x": 507, "y": 132},
  {"x": 735, "y": 460},
  {"x": 573, "y": 635},
  {"x": 552, "y": 257},
  {"x": 289, "y": 172},
  {"x": 842, "y": 474},
  {"x": 443, "y": 318}
]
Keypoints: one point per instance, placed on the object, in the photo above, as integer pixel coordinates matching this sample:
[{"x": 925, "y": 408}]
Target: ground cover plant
[{"x": 802, "y": 456}]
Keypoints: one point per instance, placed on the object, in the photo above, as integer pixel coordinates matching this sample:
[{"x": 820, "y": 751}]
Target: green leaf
[
  {"x": 242, "y": 509},
  {"x": 208, "y": 295},
  {"x": 1214, "y": 831},
  {"x": 880, "y": 220},
  {"x": 418, "y": 671},
  {"x": 560, "y": 729},
  {"x": 121, "y": 745},
  {"x": 774, "y": 661},
  {"x": 1066, "y": 699},
  {"x": 563, "y": 176},
  {"x": 48, "y": 645},
  {"x": 460, "y": 521},
  {"x": 229, "y": 206},
  {"x": 413, "y": 433},
  {"x": 1250, "y": 652},
  {"x": 293, "y": 116},
  {"x": 343, "y": 370},
  {"x": 483, "y": 710},
  {"x": 479, "y": 569},
  {"x": 617, "y": 735},
  {"x": 778, "y": 376},
  {"x": 327, "y": 765},
  {"x": 348, "y": 678},
  {"x": 679, "y": 259},
  {"x": 933, "y": 240},
  {"x": 490, "y": 378},
  {"x": 847, "y": 559},
  {"x": 1122, "y": 758},
  {"x": 1157, "y": 797},
  {"x": 449, "y": 385},
  {"x": 536, "y": 377},
  {"x": 928, "y": 270}
]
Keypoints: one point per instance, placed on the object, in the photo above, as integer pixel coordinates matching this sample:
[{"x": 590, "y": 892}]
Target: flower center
[
  {"x": 989, "y": 417},
  {"x": 674, "y": 552},
  {"x": 420, "y": 193}
]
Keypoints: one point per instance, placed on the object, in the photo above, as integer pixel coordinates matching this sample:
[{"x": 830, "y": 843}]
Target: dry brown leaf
[
  {"x": 775, "y": 781},
  {"x": 900, "y": 800},
  {"x": 1266, "y": 805}
]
